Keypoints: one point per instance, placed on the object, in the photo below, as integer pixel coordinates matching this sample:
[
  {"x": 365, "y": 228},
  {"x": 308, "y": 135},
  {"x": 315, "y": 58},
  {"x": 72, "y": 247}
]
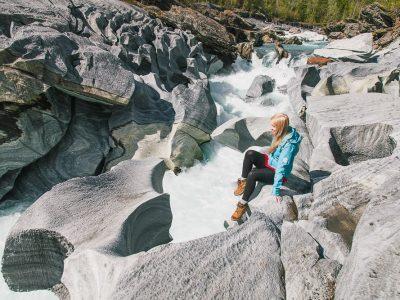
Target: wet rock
[
  {"x": 245, "y": 50},
  {"x": 261, "y": 85},
  {"x": 121, "y": 212},
  {"x": 308, "y": 273},
  {"x": 293, "y": 41}
]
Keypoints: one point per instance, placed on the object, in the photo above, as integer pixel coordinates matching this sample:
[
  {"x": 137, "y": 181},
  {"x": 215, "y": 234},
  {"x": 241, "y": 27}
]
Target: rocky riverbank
[
  {"x": 383, "y": 24},
  {"x": 100, "y": 101}
]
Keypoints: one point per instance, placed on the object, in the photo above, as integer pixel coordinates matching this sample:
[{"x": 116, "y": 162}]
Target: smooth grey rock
[
  {"x": 373, "y": 266},
  {"x": 278, "y": 212},
  {"x": 243, "y": 133},
  {"x": 357, "y": 49},
  {"x": 342, "y": 197},
  {"x": 342, "y": 78},
  {"x": 355, "y": 138},
  {"x": 350, "y": 128},
  {"x": 81, "y": 152},
  {"x": 308, "y": 273},
  {"x": 300, "y": 87},
  {"x": 332, "y": 243},
  {"x": 7, "y": 181},
  {"x": 261, "y": 85},
  {"x": 139, "y": 141},
  {"x": 194, "y": 105},
  {"x": 303, "y": 203},
  {"x": 217, "y": 263},
  {"x": 123, "y": 211},
  {"x": 32, "y": 131}
]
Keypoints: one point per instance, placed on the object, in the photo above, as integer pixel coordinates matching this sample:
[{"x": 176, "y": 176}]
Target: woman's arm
[{"x": 286, "y": 158}]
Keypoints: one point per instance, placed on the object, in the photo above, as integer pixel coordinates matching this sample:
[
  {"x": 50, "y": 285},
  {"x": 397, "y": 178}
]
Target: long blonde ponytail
[{"x": 281, "y": 122}]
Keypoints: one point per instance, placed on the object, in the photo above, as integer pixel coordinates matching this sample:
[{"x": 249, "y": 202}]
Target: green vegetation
[{"x": 310, "y": 11}]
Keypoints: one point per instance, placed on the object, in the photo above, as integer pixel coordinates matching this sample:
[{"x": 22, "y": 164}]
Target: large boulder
[
  {"x": 342, "y": 78},
  {"x": 373, "y": 266},
  {"x": 261, "y": 85},
  {"x": 214, "y": 36},
  {"x": 123, "y": 211},
  {"x": 243, "y": 262},
  {"x": 308, "y": 273},
  {"x": 31, "y": 131},
  {"x": 95, "y": 51},
  {"x": 355, "y": 138},
  {"x": 356, "y": 49},
  {"x": 81, "y": 152},
  {"x": 341, "y": 128}
]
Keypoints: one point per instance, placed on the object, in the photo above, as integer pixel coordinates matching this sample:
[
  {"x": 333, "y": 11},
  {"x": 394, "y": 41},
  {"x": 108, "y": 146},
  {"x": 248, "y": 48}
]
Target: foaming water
[{"x": 202, "y": 196}]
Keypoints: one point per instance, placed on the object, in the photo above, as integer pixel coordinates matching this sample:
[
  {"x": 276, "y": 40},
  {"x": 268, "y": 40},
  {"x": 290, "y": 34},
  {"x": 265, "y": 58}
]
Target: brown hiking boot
[
  {"x": 241, "y": 184},
  {"x": 239, "y": 212}
]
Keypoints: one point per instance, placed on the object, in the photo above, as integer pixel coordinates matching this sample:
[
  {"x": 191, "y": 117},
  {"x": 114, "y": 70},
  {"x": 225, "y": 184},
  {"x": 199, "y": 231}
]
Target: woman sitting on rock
[{"x": 275, "y": 166}]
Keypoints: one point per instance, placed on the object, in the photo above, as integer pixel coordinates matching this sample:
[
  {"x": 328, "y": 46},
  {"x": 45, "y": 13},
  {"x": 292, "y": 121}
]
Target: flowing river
[{"x": 202, "y": 196}]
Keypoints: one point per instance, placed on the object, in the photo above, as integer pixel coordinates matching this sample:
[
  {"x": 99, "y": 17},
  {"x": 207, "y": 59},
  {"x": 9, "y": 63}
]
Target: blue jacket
[{"x": 282, "y": 158}]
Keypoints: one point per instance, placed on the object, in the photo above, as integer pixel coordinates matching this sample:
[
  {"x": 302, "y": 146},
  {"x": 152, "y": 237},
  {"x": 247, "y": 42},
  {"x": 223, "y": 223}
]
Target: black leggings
[{"x": 259, "y": 173}]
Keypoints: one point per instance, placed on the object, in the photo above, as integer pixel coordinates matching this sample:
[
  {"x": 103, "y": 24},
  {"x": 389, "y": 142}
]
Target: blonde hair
[{"x": 281, "y": 122}]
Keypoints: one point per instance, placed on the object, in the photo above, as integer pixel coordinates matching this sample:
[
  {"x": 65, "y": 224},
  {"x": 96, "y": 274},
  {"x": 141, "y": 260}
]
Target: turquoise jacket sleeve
[{"x": 285, "y": 160}]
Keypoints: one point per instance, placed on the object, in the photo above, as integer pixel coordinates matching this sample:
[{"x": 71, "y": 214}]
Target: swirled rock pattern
[
  {"x": 81, "y": 152},
  {"x": 107, "y": 52},
  {"x": 123, "y": 211}
]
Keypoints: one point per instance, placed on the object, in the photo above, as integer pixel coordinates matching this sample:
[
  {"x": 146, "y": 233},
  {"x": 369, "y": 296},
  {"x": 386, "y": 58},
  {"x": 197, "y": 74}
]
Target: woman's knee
[{"x": 250, "y": 153}]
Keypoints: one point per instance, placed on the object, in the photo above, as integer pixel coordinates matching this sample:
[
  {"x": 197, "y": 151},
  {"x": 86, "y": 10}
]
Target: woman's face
[{"x": 272, "y": 128}]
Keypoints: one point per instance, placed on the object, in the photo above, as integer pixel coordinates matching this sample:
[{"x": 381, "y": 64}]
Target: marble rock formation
[
  {"x": 139, "y": 72},
  {"x": 261, "y": 85},
  {"x": 123, "y": 211}
]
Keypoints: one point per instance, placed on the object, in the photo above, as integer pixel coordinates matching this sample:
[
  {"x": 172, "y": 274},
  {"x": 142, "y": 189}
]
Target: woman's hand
[{"x": 278, "y": 199}]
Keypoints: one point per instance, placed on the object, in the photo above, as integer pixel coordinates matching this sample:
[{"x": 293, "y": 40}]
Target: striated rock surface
[
  {"x": 123, "y": 211},
  {"x": 221, "y": 265},
  {"x": 81, "y": 152},
  {"x": 261, "y": 85},
  {"x": 308, "y": 273},
  {"x": 216, "y": 39},
  {"x": 373, "y": 266},
  {"x": 142, "y": 74},
  {"x": 356, "y": 49},
  {"x": 30, "y": 131}
]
